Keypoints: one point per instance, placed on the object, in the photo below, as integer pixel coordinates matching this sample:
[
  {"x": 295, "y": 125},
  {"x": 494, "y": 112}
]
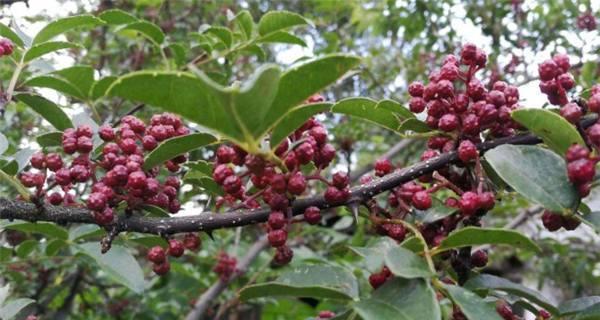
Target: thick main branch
[{"x": 12, "y": 209}]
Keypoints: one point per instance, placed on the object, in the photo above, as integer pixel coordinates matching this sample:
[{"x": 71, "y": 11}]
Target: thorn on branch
[{"x": 106, "y": 242}]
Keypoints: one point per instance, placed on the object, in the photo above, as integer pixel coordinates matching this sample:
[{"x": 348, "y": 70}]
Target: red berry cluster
[
  {"x": 556, "y": 81},
  {"x": 376, "y": 280},
  {"x": 553, "y": 221},
  {"x": 6, "y": 47},
  {"x": 226, "y": 266},
  {"x": 176, "y": 248},
  {"x": 277, "y": 181},
  {"x": 117, "y": 176},
  {"x": 456, "y": 101},
  {"x": 581, "y": 167},
  {"x": 586, "y": 21}
]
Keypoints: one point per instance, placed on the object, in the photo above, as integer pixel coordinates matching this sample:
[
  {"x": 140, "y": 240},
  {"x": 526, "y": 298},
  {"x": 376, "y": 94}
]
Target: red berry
[
  {"x": 548, "y": 70},
  {"x": 278, "y": 183},
  {"x": 470, "y": 124},
  {"x": 128, "y": 146},
  {"x": 319, "y": 133},
  {"x": 221, "y": 172},
  {"x": 106, "y": 133},
  {"x": 174, "y": 206},
  {"x": 296, "y": 184},
  {"x": 479, "y": 259},
  {"x": 581, "y": 171},
  {"x": 291, "y": 161},
  {"x": 544, "y": 314},
  {"x": 277, "y": 220},
  {"x": 467, "y": 151},
  {"x": 594, "y": 102},
  {"x": 552, "y": 221},
  {"x": 448, "y": 122},
  {"x": 62, "y": 177},
  {"x": 572, "y": 112},
  {"x": 96, "y": 201},
  {"x": 504, "y": 310},
  {"x": 334, "y": 195},
  {"x": 137, "y": 180},
  {"x": 277, "y": 238},
  {"x": 38, "y": 160},
  {"x": 421, "y": 200},
  {"x": 104, "y": 217},
  {"x": 54, "y": 162},
  {"x": 176, "y": 248},
  {"x": 383, "y": 167},
  {"x": 326, "y": 314},
  {"x": 55, "y": 198},
  {"x": 340, "y": 180},
  {"x": 149, "y": 143},
  {"x": 304, "y": 153},
  {"x": 376, "y": 280},
  {"x": 157, "y": 254},
  {"x": 191, "y": 241},
  {"x": 576, "y": 152},
  {"x": 570, "y": 223},
  {"x": 255, "y": 164},
  {"x": 415, "y": 89},
  {"x": 468, "y": 203},
  {"x": 312, "y": 215},
  {"x": 161, "y": 268},
  {"x": 84, "y": 131},
  {"x": 69, "y": 145},
  {"x": 283, "y": 255},
  {"x": 396, "y": 232}
]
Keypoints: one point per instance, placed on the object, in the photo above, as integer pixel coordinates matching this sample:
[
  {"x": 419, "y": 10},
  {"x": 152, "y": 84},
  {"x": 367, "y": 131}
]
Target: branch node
[{"x": 106, "y": 242}]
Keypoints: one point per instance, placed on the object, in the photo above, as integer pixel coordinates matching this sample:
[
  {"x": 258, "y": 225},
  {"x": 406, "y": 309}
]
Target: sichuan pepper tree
[{"x": 256, "y": 155}]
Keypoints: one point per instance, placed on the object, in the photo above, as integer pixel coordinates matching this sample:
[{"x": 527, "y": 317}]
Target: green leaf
[
  {"x": 317, "y": 281},
  {"x": 555, "y": 130},
  {"x": 50, "y": 139},
  {"x": 83, "y": 231},
  {"x": 174, "y": 147},
  {"x": 472, "y": 236},
  {"x": 46, "y": 228},
  {"x": 63, "y": 25},
  {"x": 405, "y": 264},
  {"x": 577, "y": 305},
  {"x": 100, "y": 87},
  {"x": 118, "y": 263},
  {"x": 374, "y": 255},
  {"x": 366, "y": 109},
  {"x": 47, "y": 109},
  {"x": 591, "y": 313},
  {"x": 414, "y": 297},
  {"x": 223, "y": 34},
  {"x": 277, "y": 20},
  {"x": 116, "y": 17},
  {"x": 18, "y": 162},
  {"x": 294, "y": 119},
  {"x": 7, "y": 32},
  {"x": 395, "y": 107},
  {"x": 472, "y": 305},
  {"x": 378, "y": 310},
  {"x": 148, "y": 29},
  {"x": 25, "y": 248},
  {"x": 47, "y": 47},
  {"x": 230, "y": 111},
  {"x": 282, "y": 37},
  {"x": 54, "y": 246},
  {"x": 537, "y": 174},
  {"x": 177, "y": 52},
  {"x": 436, "y": 212},
  {"x": 12, "y": 308},
  {"x": 414, "y": 125},
  {"x": 487, "y": 281},
  {"x": 81, "y": 76},
  {"x": 314, "y": 76},
  {"x": 203, "y": 181},
  {"x": 56, "y": 83},
  {"x": 155, "y": 211},
  {"x": 3, "y": 144},
  {"x": 149, "y": 241},
  {"x": 245, "y": 23}
]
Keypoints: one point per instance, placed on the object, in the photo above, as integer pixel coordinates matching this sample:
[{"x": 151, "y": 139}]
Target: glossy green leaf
[
  {"x": 412, "y": 299},
  {"x": 487, "y": 282},
  {"x": 81, "y": 76},
  {"x": 395, "y": 107},
  {"x": 577, "y": 305},
  {"x": 63, "y": 25},
  {"x": 201, "y": 180},
  {"x": 56, "y": 83},
  {"x": 314, "y": 75},
  {"x": 277, "y": 20},
  {"x": 230, "y": 111},
  {"x": 414, "y": 125},
  {"x": 591, "y": 313},
  {"x": 173, "y": 147},
  {"x": 46, "y": 228},
  {"x": 84, "y": 231},
  {"x": 473, "y": 307},
  {"x": 317, "y": 281},
  {"x": 119, "y": 263},
  {"x": 12, "y": 308},
  {"x": 378, "y": 310},
  {"x": 54, "y": 246},
  {"x": 18, "y": 161},
  {"x": 100, "y": 87},
  {"x": 472, "y": 236},
  {"x": 47, "y": 109},
  {"x": 555, "y": 130},
  {"x": 366, "y": 109},
  {"x": 116, "y": 17},
  {"x": 245, "y": 23},
  {"x": 374, "y": 254},
  {"x": 223, "y": 34},
  {"x": 436, "y": 212},
  {"x": 294, "y": 119},
  {"x": 47, "y": 47},
  {"x": 148, "y": 29},
  {"x": 26, "y": 247},
  {"x": 149, "y": 241},
  {"x": 50, "y": 139},
  {"x": 537, "y": 174},
  {"x": 3, "y": 144},
  {"x": 154, "y": 211},
  {"x": 7, "y": 32},
  {"x": 405, "y": 264},
  {"x": 282, "y": 37},
  {"x": 177, "y": 52}
]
